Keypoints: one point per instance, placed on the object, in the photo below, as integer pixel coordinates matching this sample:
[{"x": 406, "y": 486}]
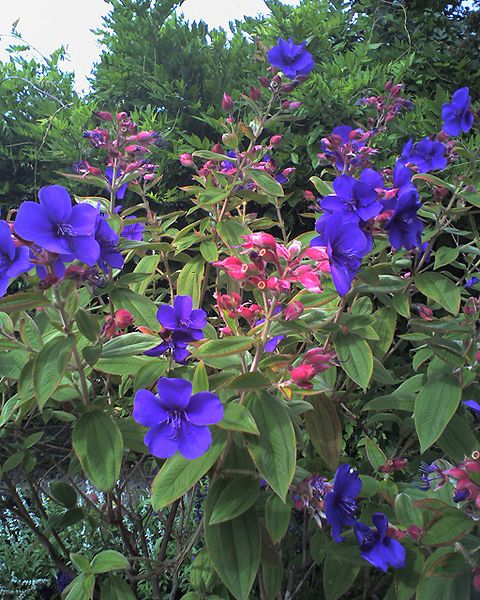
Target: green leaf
[
  {"x": 433, "y": 179},
  {"x": 277, "y": 517},
  {"x": 49, "y": 367},
  {"x": 445, "y": 256},
  {"x": 108, "y": 560},
  {"x": 131, "y": 365},
  {"x": 401, "y": 303},
  {"x": 385, "y": 322},
  {"x": 238, "y": 418},
  {"x": 178, "y": 474},
  {"x": 324, "y": 429},
  {"x": 407, "y": 514},
  {"x": 87, "y": 324},
  {"x": 81, "y": 588},
  {"x": 337, "y": 579},
  {"x": 129, "y": 344},
  {"x": 98, "y": 444},
  {"x": 209, "y": 250},
  {"x": 23, "y": 301},
  {"x": 202, "y": 572},
  {"x": 435, "y": 405},
  {"x": 224, "y": 346},
  {"x": 266, "y": 182},
  {"x": 458, "y": 439},
  {"x": 147, "y": 266},
  {"x": 142, "y": 308},
  {"x": 324, "y": 188},
  {"x": 190, "y": 279},
  {"x": 440, "y": 289},
  {"x": 446, "y": 526},
  {"x": 231, "y": 232},
  {"x": 355, "y": 357},
  {"x": 30, "y": 333},
  {"x": 116, "y": 588},
  {"x": 209, "y": 155},
  {"x": 200, "y": 378},
  {"x": 375, "y": 454},
  {"x": 274, "y": 450},
  {"x": 235, "y": 499},
  {"x": 234, "y": 547},
  {"x": 63, "y": 493},
  {"x": 80, "y": 561},
  {"x": 254, "y": 380}
]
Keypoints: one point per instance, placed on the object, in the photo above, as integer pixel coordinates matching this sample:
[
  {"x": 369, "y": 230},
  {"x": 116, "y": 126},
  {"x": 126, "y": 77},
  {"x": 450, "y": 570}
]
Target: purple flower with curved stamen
[
  {"x": 376, "y": 547},
  {"x": 456, "y": 115},
  {"x": 341, "y": 505},
  {"x": 120, "y": 193},
  {"x": 56, "y": 226},
  {"x": 355, "y": 197},
  {"x": 428, "y": 155},
  {"x": 107, "y": 239},
  {"x": 14, "y": 260},
  {"x": 404, "y": 227},
  {"x": 177, "y": 420},
  {"x": 294, "y": 60},
  {"x": 183, "y": 317},
  {"x": 133, "y": 230},
  {"x": 472, "y": 404},
  {"x": 346, "y": 245},
  {"x": 174, "y": 344}
]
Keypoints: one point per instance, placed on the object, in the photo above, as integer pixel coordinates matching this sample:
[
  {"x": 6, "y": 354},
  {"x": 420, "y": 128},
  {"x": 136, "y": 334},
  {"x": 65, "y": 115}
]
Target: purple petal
[
  {"x": 204, "y": 409},
  {"x": 83, "y": 219},
  {"x": 161, "y": 440},
  {"x": 198, "y": 318},
  {"x": 33, "y": 225},
  {"x": 147, "y": 409},
  {"x": 183, "y": 307},
  {"x": 56, "y": 202},
  {"x": 174, "y": 393},
  {"x": 472, "y": 404},
  {"x": 167, "y": 316},
  {"x": 381, "y": 523},
  {"x": 85, "y": 249},
  {"x": 193, "y": 441},
  {"x": 394, "y": 553}
]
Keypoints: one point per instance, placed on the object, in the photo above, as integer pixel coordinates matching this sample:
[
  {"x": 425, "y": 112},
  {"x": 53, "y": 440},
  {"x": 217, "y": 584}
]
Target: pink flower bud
[
  {"x": 476, "y": 579},
  {"x": 135, "y": 149},
  {"x": 424, "y": 312},
  {"x": 414, "y": 532},
  {"x": 217, "y": 148},
  {"x": 255, "y": 93},
  {"x": 477, "y": 356},
  {"x": 308, "y": 195},
  {"x": 388, "y": 85},
  {"x": 276, "y": 140},
  {"x": 295, "y": 105},
  {"x": 105, "y": 116},
  {"x": 288, "y": 171},
  {"x": 260, "y": 240},
  {"x": 227, "y": 103},
  {"x": 302, "y": 376},
  {"x": 264, "y": 82},
  {"x": 396, "y": 89},
  {"x": 123, "y": 318},
  {"x": 226, "y": 331},
  {"x": 121, "y": 116},
  {"x": 186, "y": 159},
  {"x": 293, "y": 310}
]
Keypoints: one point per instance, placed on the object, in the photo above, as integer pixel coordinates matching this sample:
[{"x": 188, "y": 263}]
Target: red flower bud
[
  {"x": 227, "y": 103},
  {"x": 105, "y": 116},
  {"x": 276, "y": 140},
  {"x": 308, "y": 195},
  {"x": 255, "y": 93},
  {"x": 424, "y": 312},
  {"x": 186, "y": 159},
  {"x": 123, "y": 318},
  {"x": 264, "y": 82},
  {"x": 414, "y": 532},
  {"x": 302, "y": 375},
  {"x": 293, "y": 310}
]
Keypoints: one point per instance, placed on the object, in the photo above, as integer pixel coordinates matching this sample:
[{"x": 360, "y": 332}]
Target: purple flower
[
  {"x": 272, "y": 343},
  {"x": 177, "y": 420},
  {"x": 228, "y": 165},
  {"x": 182, "y": 317},
  {"x": 356, "y": 197},
  {"x": 427, "y": 155},
  {"x": 120, "y": 193},
  {"x": 456, "y": 115},
  {"x": 341, "y": 505},
  {"x": 346, "y": 245},
  {"x": 56, "y": 226},
  {"x": 404, "y": 227},
  {"x": 376, "y": 547},
  {"x": 107, "y": 239},
  {"x": 352, "y": 144},
  {"x": 13, "y": 259},
  {"x": 174, "y": 344},
  {"x": 293, "y": 60},
  {"x": 472, "y": 281},
  {"x": 133, "y": 230},
  {"x": 475, "y": 406}
]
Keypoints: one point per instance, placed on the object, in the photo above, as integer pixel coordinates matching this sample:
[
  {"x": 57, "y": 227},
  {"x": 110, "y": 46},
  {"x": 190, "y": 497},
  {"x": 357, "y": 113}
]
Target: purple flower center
[
  {"x": 369, "y": 540},
  {"x": 186, "y": 322},
  {"x": 65, "y": 230},
  {"x": 348, "y": 505},
  {"x": 175, "y": 419}
]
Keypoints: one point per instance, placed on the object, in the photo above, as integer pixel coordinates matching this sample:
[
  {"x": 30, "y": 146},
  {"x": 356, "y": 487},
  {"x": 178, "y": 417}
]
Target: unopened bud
[
  {"x": 227, "y": 103},
  {"x": 424, "y": 312},
  {"x": 105, "y": 116},
  {"x": 293, "y": 310},
  {"x": 186, "y": 159},
  {"x": 255, "y": 93},
  {"x": 123, "y": 318},
  {"x": 264, "y": 82},
  {"x": 276, "y": 140}
]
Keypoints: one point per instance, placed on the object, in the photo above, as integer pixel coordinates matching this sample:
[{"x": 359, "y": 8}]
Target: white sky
[{"x": 49, "y": 24}]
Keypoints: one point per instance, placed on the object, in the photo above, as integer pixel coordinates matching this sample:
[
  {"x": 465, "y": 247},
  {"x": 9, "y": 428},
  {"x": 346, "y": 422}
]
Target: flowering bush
[{"x": 311, "y": 385}]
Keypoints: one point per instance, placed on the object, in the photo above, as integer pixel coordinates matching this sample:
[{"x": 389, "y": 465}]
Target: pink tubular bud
[
  {"x": 414, "y": 532},
  {"x": 302, "y": 376},
  {"x": 123, "y": 318},
  {"x": 308, "y": 195},
  {"x": 276, "y": 140},
  {"x": 217, "y": 148},
  {"x": 255, "y": 93},
  {"x": 186, "y": 159},
  {"x": 293, "y": 310},
  {"x": 104, "y": 115},
  {"x": 135, "y": 149},
  {"x": 264, "y": 82},
  {"x": 424, "y": 312},
  {"x": 121, "y": 116},
  {"x": 260, "y": 240},
  {"x": 226, "y": 331},
  {"x": 477, "y": 356},
  {"x": 295, "y": 105},
  {"x": 396, "y": 89},
  {"x": 227, "y": 103},
  {"x": 388, "y": 85}
]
